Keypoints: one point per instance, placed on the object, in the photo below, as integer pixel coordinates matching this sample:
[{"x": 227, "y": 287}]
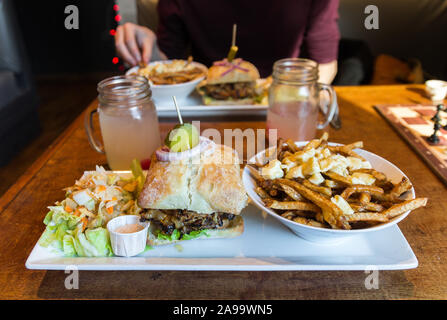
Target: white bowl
[
  {"x": 323, "y": 235},
  {"x": 127, "y": 244},
  {"x": 163, "y": 93}
]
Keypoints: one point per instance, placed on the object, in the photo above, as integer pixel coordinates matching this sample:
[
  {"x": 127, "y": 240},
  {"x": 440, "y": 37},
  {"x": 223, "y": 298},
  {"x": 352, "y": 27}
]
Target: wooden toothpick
[
  {"x": 233, "y": 41},
  {"x": 178, "y": 110}
]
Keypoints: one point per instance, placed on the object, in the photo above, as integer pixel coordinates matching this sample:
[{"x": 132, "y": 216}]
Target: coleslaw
[{"x": 77, "y": 224}]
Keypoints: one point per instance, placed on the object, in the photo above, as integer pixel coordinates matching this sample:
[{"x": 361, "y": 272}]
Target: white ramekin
[{"x": 127, "y": 244}]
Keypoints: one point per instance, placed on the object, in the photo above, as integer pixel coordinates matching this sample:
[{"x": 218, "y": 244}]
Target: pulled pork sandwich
[
  {"x": 230, "y": 83},
  {"x": 197, "y": 193}
]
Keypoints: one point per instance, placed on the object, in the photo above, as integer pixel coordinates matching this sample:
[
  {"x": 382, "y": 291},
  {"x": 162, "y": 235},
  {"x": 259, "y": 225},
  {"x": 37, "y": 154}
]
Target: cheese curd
[
  {"x": 362, "y": 178},
  {"x": 342, "y": 204},
  {"x": 272, "y": 170},
  {"x": 311, "y": 167},
  {"x": 356, "y": 163},
  {"x": 322, "y": 153},
  {"x": 303, "y": 156},
  {"x": 311, "y": 163},
  {"x": 341, "y": 170},
  {"x": 333, "y": 161},
  {"x": 295, "y": 172},
  {"x": 316, "y": 178},
  {"x": 288, "y": 164}
]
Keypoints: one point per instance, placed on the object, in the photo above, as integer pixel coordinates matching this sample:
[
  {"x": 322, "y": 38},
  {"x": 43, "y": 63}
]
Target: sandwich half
[
  {"x": 230, "y": 83},
  {"x": 195, "y": 197}
]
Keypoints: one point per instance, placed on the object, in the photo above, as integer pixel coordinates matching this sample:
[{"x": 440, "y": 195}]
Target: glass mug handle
[
  {"x": 332, "y": 105},
  {"x": 88, "y": 124}
]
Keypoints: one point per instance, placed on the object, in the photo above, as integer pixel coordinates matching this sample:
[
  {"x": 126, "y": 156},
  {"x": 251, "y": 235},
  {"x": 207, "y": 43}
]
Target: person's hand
[{"x": 134, "y": 43}]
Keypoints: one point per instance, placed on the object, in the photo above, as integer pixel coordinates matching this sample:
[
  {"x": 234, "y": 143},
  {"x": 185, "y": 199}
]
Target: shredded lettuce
[
  {"x": 176, "y": 235},
  {"x": 58, "y": 223},
  {"x": 148, "y": 247},
  {"x": 64, "y": 232},
  {"x": 195, "y": 234},
  {"x": 99, "y": 237},
  {"x": 68, "y": 246}
]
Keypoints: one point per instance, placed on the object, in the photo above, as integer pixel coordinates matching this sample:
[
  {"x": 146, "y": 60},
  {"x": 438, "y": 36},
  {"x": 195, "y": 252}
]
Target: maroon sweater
[{"x": 267, "y": 30}]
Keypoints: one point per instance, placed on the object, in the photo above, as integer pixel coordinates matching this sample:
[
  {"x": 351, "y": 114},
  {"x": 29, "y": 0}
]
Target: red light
[
  {"x": 117, "y": 18},
  {"x": 115, "y": 60},
  {"x": 112, "y": 32},
  {"x": 121, "y": 68},
  {"x": 116, "y": 7}
]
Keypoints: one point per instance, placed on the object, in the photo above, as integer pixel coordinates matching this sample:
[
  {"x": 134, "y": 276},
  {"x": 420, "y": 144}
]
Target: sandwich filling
[
  {"x": 236, "y": 90},
  {"x": 167, "y": 221}
]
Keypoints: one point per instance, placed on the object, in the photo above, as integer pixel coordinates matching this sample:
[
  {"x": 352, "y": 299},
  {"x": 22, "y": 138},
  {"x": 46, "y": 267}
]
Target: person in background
[{"x": 266, "y": 32}]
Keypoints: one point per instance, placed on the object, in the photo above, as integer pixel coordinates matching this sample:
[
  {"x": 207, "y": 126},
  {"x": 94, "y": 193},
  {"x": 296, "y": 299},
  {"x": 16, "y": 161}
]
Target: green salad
[{"x": 77, "y": 225}]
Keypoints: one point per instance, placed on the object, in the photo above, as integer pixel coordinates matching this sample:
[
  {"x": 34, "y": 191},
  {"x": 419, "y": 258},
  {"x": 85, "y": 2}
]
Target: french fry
[
  {"x": 370, "y": 206},
  {"x": 323, "y": 190},
  {"x": 364, "y": 198},
  {"x": 169, "y": 76},
  {"x": 298, "y": 213},
  {"x": 331, "y": 213},
  {"x": 403, "y": 186},
  {"x": 309, "y": 222},
  {"x": 292, "y": 146},
  {"x": 346, "y": 150},
  {"x": 376, "y": 174},
  {"x": 356, "y": 188},
  {"x": 365, "y": 216},
  {"x": 254, "y": 172},
  {"x": 291, "y": 205},
  {"x": 405, "y": 206},
  {"x": 306, "y": 214},
  {"x": 313, "y": 144},
  {"x": 338, "y": 178},
  {"x": 319, "y": 217},
  {"x": 288, "y": 215},
  {"x": 261, "y": 193},
  {"x": 292, "y": 193}
]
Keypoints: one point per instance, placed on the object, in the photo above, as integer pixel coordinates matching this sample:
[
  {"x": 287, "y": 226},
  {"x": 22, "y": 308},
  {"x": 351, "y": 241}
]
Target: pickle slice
[
  {"x": 232, "y": 53},
  {"x": 182, "y": 137}
]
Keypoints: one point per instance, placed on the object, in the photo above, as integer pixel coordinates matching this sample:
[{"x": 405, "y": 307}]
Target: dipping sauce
[{"x": 129, "y": 228}]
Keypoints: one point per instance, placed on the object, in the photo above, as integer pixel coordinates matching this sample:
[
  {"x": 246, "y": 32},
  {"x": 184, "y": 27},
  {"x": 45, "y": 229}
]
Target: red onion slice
[{"x": 205, "y": 146}]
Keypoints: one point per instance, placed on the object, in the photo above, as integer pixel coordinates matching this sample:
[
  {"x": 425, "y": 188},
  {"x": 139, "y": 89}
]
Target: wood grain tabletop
[{"x": 23, "y": 207}]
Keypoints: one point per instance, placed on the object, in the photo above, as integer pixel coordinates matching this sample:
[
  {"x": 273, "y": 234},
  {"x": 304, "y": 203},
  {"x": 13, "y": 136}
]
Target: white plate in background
[
  {"x": 164, "y": 93},
  {"x": 190, "y": 101}
]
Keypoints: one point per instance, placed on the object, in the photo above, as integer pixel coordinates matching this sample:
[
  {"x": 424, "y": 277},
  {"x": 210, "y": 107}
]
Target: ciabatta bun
[
  {"x": 205, "y": 185},
  {"x": 215, "y": 73}
]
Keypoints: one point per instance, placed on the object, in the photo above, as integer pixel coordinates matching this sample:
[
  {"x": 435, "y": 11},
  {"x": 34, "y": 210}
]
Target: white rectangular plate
[
  {"x": 192, "y": 105},
  {"x": 265, "y": 245}
]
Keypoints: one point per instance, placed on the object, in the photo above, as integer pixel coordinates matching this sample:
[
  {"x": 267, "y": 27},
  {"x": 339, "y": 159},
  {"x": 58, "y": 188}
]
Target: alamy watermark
[
  {"x": 372, "y": 280},
  {"x": 72, "y": 20},
  {"x": 248, "y": 142},
  {"x": 372, "y": 20},
  {"x": 72, "y": 280}
]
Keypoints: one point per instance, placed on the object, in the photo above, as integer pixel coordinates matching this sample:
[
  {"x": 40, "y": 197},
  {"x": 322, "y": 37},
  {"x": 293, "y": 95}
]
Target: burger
[
  {"x": 193, "y": 194},
  {"x": 230, "y": 83}
]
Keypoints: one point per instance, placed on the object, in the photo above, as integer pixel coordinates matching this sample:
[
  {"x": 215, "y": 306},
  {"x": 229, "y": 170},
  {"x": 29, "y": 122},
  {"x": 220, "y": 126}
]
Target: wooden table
[{"x": 23, "y": 207}]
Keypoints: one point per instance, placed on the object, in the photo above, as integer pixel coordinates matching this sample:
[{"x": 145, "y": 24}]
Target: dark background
[{"x": 53, "y": 49}]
